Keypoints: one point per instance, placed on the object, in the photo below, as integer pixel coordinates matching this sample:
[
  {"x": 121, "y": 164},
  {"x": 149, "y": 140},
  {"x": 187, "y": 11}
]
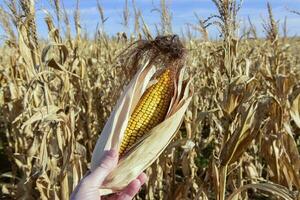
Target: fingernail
[{"x": 144, "y": 176}]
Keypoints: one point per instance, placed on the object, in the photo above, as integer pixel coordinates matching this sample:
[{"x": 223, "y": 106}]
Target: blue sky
[{"x": 182, "y": 13}]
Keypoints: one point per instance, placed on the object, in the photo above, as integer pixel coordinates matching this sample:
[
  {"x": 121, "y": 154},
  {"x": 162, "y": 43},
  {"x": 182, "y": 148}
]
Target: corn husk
[{"x": 147, "y": 149}]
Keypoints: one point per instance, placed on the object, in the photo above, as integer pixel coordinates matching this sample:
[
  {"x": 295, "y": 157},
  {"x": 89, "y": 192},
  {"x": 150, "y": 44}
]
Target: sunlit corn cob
[{"x": 150, "y": 111}]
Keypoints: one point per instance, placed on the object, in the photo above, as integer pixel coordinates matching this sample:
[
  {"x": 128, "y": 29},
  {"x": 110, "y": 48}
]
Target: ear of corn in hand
[{"x": 142, "y": 128}]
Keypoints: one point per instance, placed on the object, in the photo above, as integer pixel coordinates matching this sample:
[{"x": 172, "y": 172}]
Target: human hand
[{"x": 88, "y": 187}]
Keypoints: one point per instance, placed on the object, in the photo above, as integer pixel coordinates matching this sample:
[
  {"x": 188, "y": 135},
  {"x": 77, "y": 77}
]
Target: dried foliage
[{"x": 239, "y": 139}]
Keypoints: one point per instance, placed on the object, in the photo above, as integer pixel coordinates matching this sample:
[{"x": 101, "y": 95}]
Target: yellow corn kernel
[{"x": 150, "y": 111}]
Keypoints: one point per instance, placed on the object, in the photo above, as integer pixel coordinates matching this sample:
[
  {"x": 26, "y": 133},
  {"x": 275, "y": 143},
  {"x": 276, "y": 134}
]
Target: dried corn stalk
[{"x": 151, "y": 144}]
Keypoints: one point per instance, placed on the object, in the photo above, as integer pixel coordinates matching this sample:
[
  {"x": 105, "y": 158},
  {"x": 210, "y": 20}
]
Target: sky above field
[{"x": 183, "y": 13}]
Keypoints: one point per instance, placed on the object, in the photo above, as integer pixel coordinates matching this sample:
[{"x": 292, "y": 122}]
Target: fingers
[
  {"x": 133, "y": 188},
  {"x": 130, "y": 191},
  {"x": 143, "y": 178},
  {"x": 107, "y": 164}
]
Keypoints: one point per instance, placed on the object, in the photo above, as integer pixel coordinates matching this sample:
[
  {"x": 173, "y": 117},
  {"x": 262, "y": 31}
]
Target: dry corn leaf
[
  {"x": 43, "y": 186},
  {"x": 295, "y": 110},
  {"x": 242, "y": 134},
  {"x": 267, "y": 187},
  {"x": 290, "y": 160},
  {"x": 25, "y": 50},
  {"x": 250, "y": 134},
  {"x": 283, "y": 85},
  {"x": 45, "y": 113},
  {"x": 240, "y": 89},
  {"x": 63, "y": 49}
]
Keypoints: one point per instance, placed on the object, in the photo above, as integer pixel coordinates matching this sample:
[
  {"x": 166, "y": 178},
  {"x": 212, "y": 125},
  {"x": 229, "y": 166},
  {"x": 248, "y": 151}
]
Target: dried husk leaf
[
  {"x": 116, "y": 124},
  {"x": 148, "y": 149}
]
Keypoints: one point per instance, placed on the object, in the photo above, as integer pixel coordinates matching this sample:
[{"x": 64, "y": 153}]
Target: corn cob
[{"x": 150, "y": 111}]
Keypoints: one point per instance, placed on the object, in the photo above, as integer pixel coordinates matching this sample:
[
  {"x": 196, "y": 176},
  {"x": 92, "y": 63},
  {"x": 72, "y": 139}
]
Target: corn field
[{"x": 240, "y": 137}]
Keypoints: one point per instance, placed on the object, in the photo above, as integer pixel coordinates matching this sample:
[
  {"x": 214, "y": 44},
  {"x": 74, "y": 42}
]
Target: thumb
[{"x": 108, "y": 162}]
